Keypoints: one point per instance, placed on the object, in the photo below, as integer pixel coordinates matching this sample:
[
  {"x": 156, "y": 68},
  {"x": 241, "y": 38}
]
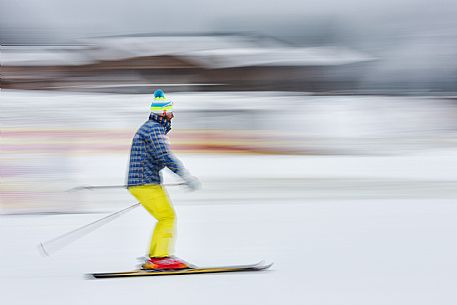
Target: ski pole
[
  {"x": 57, "y": 243},
  {"x": 50, "y": 246},
  {"x": 100, "y": 187}
]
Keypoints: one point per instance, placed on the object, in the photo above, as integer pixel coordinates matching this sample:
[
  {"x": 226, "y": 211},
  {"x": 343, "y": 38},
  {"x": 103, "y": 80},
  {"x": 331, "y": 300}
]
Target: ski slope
[
  {"x": 377, "y": 229},
  {"x": 340, "y": 230}
]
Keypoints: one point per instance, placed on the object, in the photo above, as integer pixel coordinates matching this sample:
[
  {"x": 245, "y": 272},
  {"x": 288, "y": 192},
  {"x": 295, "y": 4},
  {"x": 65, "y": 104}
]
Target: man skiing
[{"x": 149, "y": 154}]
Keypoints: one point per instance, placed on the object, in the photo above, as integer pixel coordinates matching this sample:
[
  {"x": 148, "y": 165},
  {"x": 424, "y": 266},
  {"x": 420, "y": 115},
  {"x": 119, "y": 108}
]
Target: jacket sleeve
[{"x": 162, "y": 153}]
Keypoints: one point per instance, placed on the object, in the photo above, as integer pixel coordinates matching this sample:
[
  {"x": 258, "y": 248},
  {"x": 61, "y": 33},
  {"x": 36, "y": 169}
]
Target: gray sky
[{"x": 37, "y": 21}]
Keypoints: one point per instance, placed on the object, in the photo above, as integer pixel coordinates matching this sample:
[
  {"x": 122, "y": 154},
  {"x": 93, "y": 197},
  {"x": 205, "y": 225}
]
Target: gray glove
[{"x": 191, "y": 182}]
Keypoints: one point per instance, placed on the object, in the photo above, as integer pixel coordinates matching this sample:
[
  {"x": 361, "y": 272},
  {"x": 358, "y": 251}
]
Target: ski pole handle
[{"x": 101, "y": 187}]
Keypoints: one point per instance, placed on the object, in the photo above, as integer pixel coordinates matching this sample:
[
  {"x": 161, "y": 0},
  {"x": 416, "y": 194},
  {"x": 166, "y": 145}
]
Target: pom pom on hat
[
  {"x": 160, "y": 103},
  {"x": 159, "y": 93}
]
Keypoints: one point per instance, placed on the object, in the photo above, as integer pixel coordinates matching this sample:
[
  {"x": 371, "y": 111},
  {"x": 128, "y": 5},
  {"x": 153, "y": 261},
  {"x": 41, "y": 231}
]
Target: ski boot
[{"x": 165, "y": 263}]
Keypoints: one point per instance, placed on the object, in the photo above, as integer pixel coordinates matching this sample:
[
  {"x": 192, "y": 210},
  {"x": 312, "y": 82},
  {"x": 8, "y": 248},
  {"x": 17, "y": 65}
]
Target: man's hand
[{"x": 191, "y": 182}]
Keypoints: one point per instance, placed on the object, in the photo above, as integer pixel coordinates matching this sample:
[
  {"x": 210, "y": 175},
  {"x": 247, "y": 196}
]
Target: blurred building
[{"x": 136, "y": 64}]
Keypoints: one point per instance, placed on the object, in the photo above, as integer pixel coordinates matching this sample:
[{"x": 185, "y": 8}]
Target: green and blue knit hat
[{"x": 160, "y": 103}]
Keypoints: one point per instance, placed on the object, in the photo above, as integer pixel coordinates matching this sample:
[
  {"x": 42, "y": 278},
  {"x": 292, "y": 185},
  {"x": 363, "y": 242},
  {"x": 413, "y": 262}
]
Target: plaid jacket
[{"x": 150, "y": 153}]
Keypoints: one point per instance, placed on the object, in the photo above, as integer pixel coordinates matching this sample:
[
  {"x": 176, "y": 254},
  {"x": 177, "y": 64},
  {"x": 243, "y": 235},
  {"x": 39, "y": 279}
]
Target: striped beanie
[{"x": 160, "y": 104}]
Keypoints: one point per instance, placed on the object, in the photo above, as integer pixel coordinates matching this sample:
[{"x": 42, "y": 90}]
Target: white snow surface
[{"x": 340, "y": 230}]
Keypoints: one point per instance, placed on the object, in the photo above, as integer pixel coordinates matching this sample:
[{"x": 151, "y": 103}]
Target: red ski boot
[{"x": 165, "y": 263}]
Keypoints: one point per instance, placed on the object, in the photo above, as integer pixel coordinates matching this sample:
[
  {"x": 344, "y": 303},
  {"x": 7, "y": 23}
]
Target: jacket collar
[{"x": 161, "y": 120}]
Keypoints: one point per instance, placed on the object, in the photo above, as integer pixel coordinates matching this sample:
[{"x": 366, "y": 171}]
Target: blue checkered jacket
[{"x": 150, "y": 153}]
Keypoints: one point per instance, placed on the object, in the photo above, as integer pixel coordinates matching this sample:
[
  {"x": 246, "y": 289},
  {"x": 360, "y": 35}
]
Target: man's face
[{"x": 169, "y": 115}]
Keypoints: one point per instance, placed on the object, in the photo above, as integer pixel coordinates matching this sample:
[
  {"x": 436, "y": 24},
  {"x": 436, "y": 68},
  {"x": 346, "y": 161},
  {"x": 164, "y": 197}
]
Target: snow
[
  {"x": 44, "y": 55},
  {"x": 340, "y": 229},
  {"x": 382, "y": 244},
  {"x": 217, "y": 51}
]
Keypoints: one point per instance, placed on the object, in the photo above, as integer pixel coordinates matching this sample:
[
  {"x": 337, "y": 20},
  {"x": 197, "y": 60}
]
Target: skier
[{"x": 149, "y": 154}]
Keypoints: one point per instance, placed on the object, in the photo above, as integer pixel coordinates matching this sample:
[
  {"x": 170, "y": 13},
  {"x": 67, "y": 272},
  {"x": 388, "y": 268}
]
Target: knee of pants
[{"x": 168, "y": 216}]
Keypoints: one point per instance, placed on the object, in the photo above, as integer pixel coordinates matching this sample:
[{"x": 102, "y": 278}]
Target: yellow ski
[{"x": 253, "y": 267}]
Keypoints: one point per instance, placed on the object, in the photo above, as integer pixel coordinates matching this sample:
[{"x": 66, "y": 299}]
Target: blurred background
[
  {"x": 324, "y": 133},
  {"x": 314, "y": 78}
]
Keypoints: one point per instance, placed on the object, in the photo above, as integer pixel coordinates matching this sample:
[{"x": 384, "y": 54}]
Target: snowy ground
[
  {"x": 340, "y": 230},
  {"x": 377, "y": 229}
]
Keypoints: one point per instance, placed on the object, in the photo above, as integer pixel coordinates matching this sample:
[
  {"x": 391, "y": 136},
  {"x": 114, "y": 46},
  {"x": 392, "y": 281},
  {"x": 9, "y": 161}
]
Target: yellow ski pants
[{"x": 155, "y": 200}]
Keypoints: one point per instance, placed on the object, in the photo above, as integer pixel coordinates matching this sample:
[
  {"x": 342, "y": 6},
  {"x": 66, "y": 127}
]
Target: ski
[{"x": 198, "y": 270}]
